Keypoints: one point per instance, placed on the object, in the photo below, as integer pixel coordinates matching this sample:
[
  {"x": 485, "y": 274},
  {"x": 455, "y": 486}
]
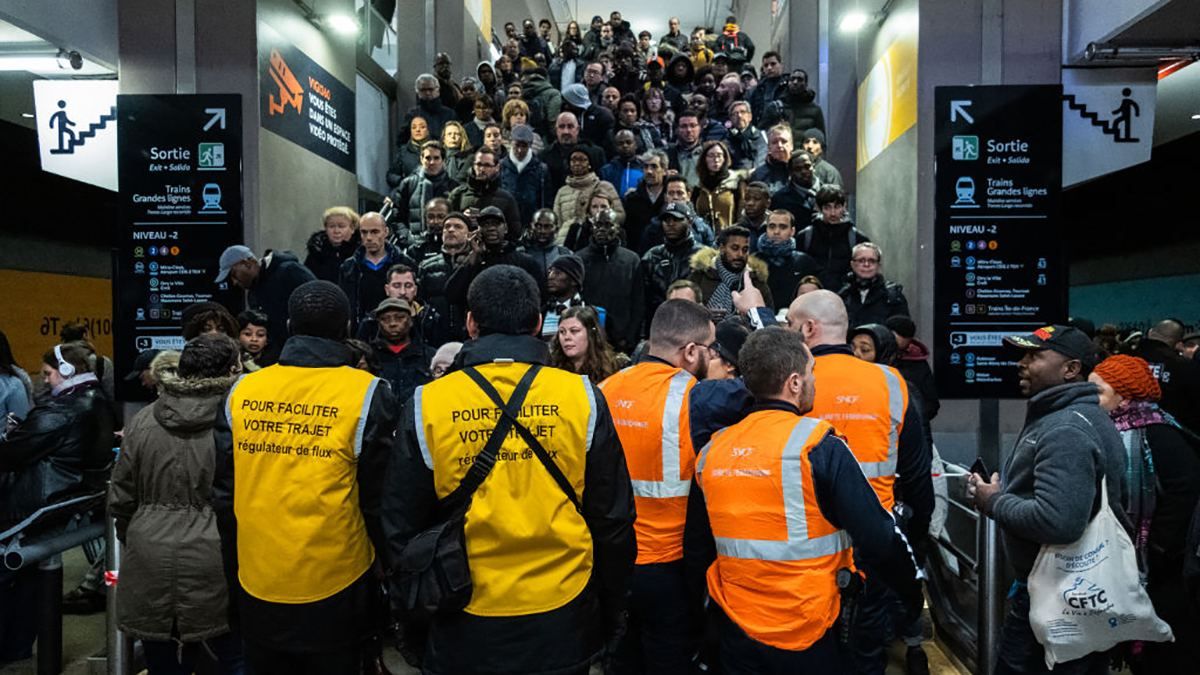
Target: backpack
[{"x": 851, "y": 234}]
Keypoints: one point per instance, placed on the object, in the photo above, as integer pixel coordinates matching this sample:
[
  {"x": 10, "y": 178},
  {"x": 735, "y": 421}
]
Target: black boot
[{"x": 915, "y": 661}]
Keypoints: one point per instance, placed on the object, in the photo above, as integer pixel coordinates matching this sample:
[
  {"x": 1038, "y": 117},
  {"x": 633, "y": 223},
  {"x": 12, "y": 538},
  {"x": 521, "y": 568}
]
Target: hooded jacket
[
  {"x": 677, "y": 85},
  {"x": 171, "y": 575},
  {"x": 545, "y": 102},
  {"x": 872, "y": 300},
  {"x": 1050, "y": 479},
  {"x": 800, "y": 111},
  {"x": 481, "y": 194},
  {"x": 662, "y": 265},
  {"x": 324, "y": 259},
  {"x": 720, "y": 205},
  {"x": 62, "y": 449},
  {"x": 703, "y": 265},
  {"x": 913, "y": 364},
  {"x": 613, "y": 280}
]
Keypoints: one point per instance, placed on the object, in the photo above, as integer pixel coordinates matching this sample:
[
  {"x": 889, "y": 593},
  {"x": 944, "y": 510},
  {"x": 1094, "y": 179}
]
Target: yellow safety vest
[
  {"x": 530, "y": 551},
  {"x": 297, "y": 434}
]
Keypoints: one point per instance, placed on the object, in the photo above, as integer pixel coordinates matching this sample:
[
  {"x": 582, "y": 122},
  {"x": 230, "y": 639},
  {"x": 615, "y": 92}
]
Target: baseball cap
[
  {"x": 491, "y": 212},
  {"x": 393, "y": 304},
  {"x": 522, "y": 134},
  {"x": 230, "y": 257},
  {"x": 1068, "y": 341},
  {"x": 142, "y": 362},
  {"x": 676, "y": 210}
]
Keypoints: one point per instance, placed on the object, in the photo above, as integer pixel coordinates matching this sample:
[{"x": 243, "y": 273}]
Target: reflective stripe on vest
[
  {"x": 896, "y": 410},
  {"x": 530, "y": 550},
  {"x": 798, "y": 545},
  {"x": 649, "y": 406},
  {"x": 671, "y": 485},
  {"x": 297, "y": 434},
  {"x": 775, "y": 573}
]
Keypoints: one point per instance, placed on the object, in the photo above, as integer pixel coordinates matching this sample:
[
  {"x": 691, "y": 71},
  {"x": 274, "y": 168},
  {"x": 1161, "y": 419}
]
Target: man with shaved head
[
  {"x": 869, "y": 405},
  {"x": 566, "y": 140},
  {"x": 1179, "y": 377}
]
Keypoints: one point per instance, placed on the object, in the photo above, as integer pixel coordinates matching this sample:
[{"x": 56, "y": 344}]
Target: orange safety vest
[
  {"x": 865, "y": 402},
  {"x": 775, "y": 575},
  {"x": 649, "y": 406}
]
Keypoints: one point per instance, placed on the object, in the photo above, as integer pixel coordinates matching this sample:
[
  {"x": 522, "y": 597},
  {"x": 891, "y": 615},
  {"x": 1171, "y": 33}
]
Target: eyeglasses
[
  {"x": 865, "y": 261},
  {"x": 484, "y": 165}
]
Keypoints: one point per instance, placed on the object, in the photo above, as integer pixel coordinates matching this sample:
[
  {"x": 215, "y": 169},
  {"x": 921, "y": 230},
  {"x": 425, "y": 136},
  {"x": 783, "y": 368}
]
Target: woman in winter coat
[
  {"x": 571, "y": 201},
  {"x": 16, "y": 392},
  {"x": 1163, "y": 475},
  {"x": 331, "y": 245},
  {"x": 408, "y": 157},
  {"x": 172, "y": 593},
  {"x": 458, "y": 151},
  {"x": 62, "y": 449},
  {"x": 718, "y": 197}
]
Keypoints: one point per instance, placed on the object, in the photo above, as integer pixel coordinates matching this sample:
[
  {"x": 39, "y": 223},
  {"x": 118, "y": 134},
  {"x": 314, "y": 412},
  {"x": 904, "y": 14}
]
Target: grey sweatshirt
[{"x": 1051, "y": 476}]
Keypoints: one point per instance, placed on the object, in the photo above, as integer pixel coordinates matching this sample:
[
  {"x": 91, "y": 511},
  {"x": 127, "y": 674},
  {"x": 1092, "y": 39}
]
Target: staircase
[
  {"x": 1092, "y": 117},
  {"x": 110, "y": 116}
]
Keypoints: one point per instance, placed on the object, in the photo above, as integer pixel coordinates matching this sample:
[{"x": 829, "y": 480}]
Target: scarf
[
  {"x": 1131, "y": 419},
  {"x": 519, "y": 164},
  {"x": 775, "y": 252},
  {"x": 722, "y": 296}
]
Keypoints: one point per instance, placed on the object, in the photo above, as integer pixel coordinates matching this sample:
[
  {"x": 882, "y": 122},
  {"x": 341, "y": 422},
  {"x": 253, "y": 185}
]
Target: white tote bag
[{"x": 1086, "y": 597}]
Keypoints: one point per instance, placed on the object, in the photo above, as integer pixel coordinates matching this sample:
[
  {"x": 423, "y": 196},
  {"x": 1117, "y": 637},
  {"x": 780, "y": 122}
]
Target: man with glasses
[
  {"x": 747, "y": 143},
  {"x": 869, "y": 297},
  {"x": 407, "y": 217},
  {"x": 483, "y": 190},
  {"x": 685, "y": 153},
  {"x": 649, "y": 405}
]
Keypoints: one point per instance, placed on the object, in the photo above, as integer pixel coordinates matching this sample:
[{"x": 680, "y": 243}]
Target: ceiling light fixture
[
  {"x": 853, "y": 22},
  {"x": 341, "y": 23}
]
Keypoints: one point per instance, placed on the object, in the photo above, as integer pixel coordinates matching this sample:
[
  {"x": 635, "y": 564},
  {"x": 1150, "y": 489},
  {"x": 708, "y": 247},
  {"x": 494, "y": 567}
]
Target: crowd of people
[{"x": 613, "y": 344}]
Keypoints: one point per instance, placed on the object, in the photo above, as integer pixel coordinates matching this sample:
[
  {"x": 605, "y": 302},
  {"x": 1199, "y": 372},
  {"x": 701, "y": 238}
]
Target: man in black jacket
[
  {"x": 483, "y": 190},
  {"x": 435, "y": 271},
  {"x": 832, "y": 239},
  {"x": 363, "y": 275},
  {"x": 595, "y": 121},
  {"x": 800, "y": 194},
  {"x": 300, "y": 533},
  {"x": 1179, "y": 377},
  {"x": 669, "y": 261},
  {"x": 643, "y": 203},
  {"x": 769, "y": 85},
  {"x": 490, "y": 248},
  {"x": 268, "y": 283},
  {"x": 558, "y": 155},
  {"x": 614, "y": 281},
  {"x": 786, "y": 265},
  {"x": 429, "y": 106},
  {"x": 869, "y": 297},
  {"x": 549, "y": 622},
  {"x": 401, "y": 358},
  {"x": 407, "y": 218}
]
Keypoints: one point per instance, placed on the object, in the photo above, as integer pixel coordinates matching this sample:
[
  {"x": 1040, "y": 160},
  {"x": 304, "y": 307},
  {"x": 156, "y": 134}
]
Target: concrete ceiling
[{"x": 1175, "y": 23}]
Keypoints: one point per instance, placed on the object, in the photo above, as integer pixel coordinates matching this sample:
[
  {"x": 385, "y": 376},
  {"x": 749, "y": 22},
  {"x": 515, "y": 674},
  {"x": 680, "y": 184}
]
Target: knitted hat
[
  {"x": 1130, "y": 377},
  {"x": 901, "y": 325},
  {"x": 570, "y": 265},
  {"x": 731, "y": 335},
  {"x": 815, "y": 134}
]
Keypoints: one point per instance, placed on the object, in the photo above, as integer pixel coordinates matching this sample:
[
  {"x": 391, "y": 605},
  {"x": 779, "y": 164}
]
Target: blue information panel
[
  {"x": 1000, "y": 262},
  {"x": 303, "y": 102},
  {"x": 179, "y": 168}
]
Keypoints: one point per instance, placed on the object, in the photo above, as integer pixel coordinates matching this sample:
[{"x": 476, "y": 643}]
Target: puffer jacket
[
  {"x": 324, "y": 259},
  {"x": 571, "y": 202},
  {"x": 704, "y": 274},
  {"x": 171, "y": 575},
  {"x": 407, "y": 219},
  {"x": 479, "y": 194},
  {"x": 545, "y": 102},
  {"x": 62, "y": 449},
  {"x": 787, "y": 267},
  {"x": 872, "y": 300},
  {"x": 408, "y": 160}
]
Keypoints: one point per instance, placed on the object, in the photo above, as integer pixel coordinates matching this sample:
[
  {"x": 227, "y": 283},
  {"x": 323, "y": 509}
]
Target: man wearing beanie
[
  {"x": 814, "y": 145},
  {"x": 301, "y": 453},
  {"x": 1164, "y": 485},
  {"x": 564, "y": 279},
  {"x": 1049, "y": 490}
]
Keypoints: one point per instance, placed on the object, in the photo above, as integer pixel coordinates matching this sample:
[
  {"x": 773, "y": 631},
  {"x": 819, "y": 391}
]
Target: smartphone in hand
[{"x": 981, "y": 468}]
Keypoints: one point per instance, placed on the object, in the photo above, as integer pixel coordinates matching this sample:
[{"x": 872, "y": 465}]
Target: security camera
[{"x": 73, "y": 57}]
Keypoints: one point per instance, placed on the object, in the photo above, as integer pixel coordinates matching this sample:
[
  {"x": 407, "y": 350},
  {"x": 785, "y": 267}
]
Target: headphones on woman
[{"x": 65, "y": 368}]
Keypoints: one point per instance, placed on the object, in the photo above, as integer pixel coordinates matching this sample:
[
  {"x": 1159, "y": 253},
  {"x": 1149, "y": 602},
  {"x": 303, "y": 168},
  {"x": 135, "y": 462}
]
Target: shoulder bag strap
[
  {"x": 530, "y": 440},
  {"x": 486, "y": 459}
]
